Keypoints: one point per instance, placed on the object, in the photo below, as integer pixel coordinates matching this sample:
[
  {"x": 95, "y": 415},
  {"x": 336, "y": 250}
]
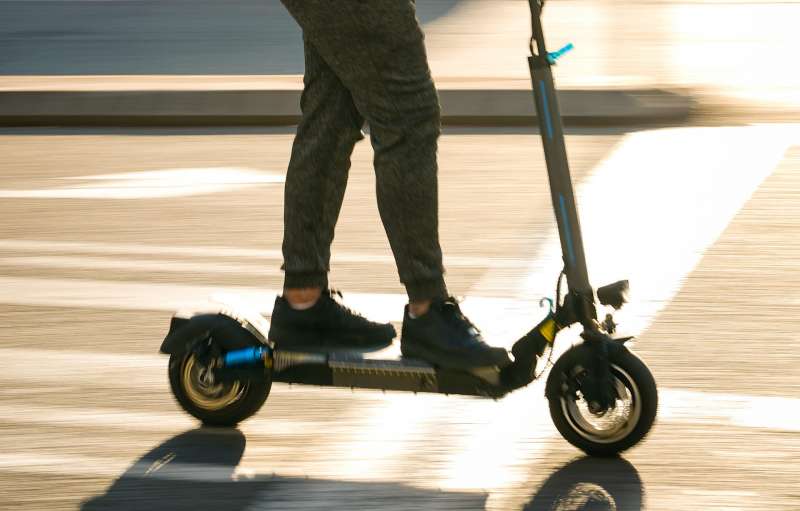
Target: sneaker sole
[
  {"x": 416, "y": 351},
  {"x": 311, "y": 341}
]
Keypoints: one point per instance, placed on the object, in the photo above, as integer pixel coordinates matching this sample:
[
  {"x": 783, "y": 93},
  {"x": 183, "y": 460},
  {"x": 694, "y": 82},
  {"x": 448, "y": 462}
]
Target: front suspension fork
[{"x": 562, "y": 194}]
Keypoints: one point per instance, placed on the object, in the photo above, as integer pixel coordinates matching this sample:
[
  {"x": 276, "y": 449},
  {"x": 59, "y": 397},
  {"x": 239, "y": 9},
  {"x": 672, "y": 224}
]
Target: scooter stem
[{"x": 563, "y": 197}]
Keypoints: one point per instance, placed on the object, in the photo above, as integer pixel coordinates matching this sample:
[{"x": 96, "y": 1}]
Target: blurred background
[
  {"x": 684, "y": 145},
  {"x": 734, "y": 49}
]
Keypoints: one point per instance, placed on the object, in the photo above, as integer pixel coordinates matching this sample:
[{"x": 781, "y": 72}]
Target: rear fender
[
  {"x": 229, "y": 333},
  {"x": 234, "y": 325}
]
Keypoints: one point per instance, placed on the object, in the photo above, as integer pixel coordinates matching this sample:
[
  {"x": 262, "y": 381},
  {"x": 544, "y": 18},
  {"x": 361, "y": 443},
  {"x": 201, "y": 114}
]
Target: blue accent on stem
[
  {"x": 245, "y": 357},
  {"x": 555, "y": 55},
  {"x": 567, "y": 228},
  {"x": 547, "y": 121}
]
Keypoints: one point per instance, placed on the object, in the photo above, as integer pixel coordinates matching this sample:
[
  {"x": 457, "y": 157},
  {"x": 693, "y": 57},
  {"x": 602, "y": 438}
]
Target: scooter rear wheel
[
  {"x": 214, "y": 403},
  {"x": 612, "y": 431}
]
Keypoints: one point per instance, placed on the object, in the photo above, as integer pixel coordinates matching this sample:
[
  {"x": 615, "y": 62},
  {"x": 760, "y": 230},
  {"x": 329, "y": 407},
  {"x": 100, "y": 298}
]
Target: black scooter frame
[{"x": 561, "y": 191}]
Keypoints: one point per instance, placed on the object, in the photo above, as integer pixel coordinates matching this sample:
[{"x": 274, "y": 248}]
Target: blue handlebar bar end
[{"x": 555, "y": 55}]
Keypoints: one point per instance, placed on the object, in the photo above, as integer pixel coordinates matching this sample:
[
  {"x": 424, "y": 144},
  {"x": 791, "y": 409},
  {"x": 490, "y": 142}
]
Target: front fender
[{"x": 579, "y": 354}]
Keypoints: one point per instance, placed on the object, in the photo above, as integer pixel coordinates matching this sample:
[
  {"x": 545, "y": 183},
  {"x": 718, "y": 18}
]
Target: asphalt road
[{"x": 104, "y": 233}]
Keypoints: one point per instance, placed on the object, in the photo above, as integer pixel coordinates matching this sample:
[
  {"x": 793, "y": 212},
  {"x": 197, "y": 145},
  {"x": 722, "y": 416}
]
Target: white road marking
[
  {"x": 99, "y": 418},
  {"x": 393, "y": 414},
  {"x": 150, "y": 421},
  {"x": 117, "y": 371},
  {"x": 500, "y": 442},
  {"x": 103, "y": 294},
  {"x": 87, "y": 369},
  {"x": 648, "y": 212},
  {"x": 651, "y": 212},
  {"x": 45, "y": 463},
  {"x": 147, "y": 373},
  {"x": 101, "y": 264},
  {"x": 50, "y": 464},
  {"x": 500, "y": 438},
  {"x": 740, "y": 158},
  {"x": 154, "y": 184},
  {"x": 494, "y": 433},
  {"x": 376, "y": 450},
  {"x": 760, "y": 412},
  {"x": 653, "y": 207},
  {"x": 136, "y": 249}
]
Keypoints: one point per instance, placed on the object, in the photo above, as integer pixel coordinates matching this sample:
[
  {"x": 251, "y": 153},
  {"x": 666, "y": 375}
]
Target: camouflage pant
[{"x": 364, "y": 60}]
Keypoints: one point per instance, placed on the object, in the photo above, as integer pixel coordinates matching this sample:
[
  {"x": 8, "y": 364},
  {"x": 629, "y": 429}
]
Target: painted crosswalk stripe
[
  {"x": 654, "y": 206},
  {"x": 635, "y": 153},
  {"x": 666, "y": 195},
  {"x": 775, "y": 413},
  {"x": 118, "y": 371},
  {"x": 648, "y": 213},
  {"x": 140, "y": 421},
  {"x": 501, "y": 440},
  {"x": 152, "y": 184},
  {"x": 377, "y": 448},
  {"x": 61, "y": 247},
  {"x": 670, "y": 208},
  {"x": 679, "y": 406},
  {"x": 153, "y": 296},
  {"x": 746, "y": 411},
  {"x": 44, "y": 463},
  {"x": 147, "y": 373},
  {"x": 148, "y": 265}
]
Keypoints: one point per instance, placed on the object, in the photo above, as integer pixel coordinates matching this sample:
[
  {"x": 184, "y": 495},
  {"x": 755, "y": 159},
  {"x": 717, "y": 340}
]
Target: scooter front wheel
[{"x": 609, "y": 432}]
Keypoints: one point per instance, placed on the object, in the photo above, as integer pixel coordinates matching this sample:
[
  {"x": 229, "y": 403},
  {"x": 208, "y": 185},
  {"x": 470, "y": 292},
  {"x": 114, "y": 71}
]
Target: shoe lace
[
  {"x": 452, "y": 311},
  {"x": 338, "y": 299}
]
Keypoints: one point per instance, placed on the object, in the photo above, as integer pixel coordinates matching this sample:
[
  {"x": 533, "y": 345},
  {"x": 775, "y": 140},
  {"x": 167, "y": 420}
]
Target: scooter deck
[{"x": 354, "y": 371}]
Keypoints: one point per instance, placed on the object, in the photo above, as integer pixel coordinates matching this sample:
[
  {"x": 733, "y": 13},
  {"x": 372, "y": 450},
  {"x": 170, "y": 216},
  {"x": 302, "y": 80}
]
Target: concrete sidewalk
[
  {"x": 107, "y": 62},
  {"x": 274, "y": 100}
]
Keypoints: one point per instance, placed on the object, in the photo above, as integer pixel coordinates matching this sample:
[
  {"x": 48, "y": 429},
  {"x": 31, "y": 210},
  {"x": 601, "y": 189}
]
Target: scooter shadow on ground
[
  {"x": 196, "y": 471},
  {"x": 589, "y": 483}
]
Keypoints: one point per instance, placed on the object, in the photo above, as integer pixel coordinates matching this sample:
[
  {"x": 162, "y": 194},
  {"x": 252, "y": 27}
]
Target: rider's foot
[
  {"x": 444, "y": 337},
  {"x": 326, "y": 326}
]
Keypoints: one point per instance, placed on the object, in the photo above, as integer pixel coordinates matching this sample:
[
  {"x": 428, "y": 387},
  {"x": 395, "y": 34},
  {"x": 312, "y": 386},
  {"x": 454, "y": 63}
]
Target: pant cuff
[
  {"x": 297, "y": 280},
  {"x": 421, "y": 290}
]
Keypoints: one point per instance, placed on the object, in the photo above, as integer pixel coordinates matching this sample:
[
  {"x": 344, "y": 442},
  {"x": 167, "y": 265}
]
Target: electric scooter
[{"x": 602, "y": 397}]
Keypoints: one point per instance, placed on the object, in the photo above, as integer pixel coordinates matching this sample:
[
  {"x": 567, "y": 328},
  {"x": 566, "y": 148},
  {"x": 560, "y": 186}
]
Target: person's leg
[
  {"x": 404, "y": 119},
  {"x": 376, "y": 48},
  {"x": 316, "y": 178},
  {"x": 308, "y": 316}
]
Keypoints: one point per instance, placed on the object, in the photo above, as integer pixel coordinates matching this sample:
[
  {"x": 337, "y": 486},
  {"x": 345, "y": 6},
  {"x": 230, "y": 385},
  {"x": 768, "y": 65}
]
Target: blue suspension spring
[{"x": 246, "y": 357}]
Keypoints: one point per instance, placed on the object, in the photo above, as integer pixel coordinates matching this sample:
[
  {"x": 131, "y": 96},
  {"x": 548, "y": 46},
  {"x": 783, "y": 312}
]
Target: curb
[{"x": 498, "y": 105}]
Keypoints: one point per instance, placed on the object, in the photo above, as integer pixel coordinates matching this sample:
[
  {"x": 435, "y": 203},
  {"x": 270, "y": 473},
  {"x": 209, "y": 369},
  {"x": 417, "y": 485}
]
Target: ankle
[
  {"x": 302, "y": 298},
  {"x": 417, "y": 309}
]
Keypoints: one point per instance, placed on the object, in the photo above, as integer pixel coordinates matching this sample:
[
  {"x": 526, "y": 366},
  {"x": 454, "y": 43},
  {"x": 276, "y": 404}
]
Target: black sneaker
[
  {"x": 327, "y": 326},
  {"x": 444, "y": 337}
]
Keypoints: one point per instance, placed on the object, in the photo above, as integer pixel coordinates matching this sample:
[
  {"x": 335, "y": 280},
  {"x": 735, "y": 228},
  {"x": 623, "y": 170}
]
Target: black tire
[
  {"x": 635, "y": 414},
  {"x": 220, "y": 404}
]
